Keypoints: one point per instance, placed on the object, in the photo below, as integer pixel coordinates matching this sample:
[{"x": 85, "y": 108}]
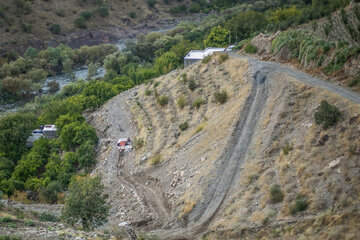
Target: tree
[
  {"x": 218, "y": 37},
  {"x": 86, "y": 156},
  {"x": 85, "y": 202},
  {"x": 244, "y": 24}
]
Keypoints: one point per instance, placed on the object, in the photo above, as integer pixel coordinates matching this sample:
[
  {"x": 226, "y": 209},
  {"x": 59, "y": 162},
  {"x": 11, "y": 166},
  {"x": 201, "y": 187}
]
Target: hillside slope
[
  {"x": 211, "y": 165},
  {"x": 41, "y": 23}
]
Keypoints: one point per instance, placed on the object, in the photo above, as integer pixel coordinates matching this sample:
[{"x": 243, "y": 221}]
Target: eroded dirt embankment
[{"x": 218, "y": 170}]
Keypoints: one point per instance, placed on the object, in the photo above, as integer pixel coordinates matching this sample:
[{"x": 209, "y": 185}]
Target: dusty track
[{"x": 261, "y": 74}]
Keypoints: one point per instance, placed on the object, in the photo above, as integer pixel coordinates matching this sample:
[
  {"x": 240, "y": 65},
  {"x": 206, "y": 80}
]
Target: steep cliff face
[{"x": 255, "y": 166}]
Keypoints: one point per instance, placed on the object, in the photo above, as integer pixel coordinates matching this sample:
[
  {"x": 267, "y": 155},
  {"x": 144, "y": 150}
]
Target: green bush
[
  {"x": 300, "y": 204},
  {"x": 184, "y": 126},
  {"x": 181, "y": 102},
  {"x": 276, "y": 195},
  {"x": 192, "y": 84},
  {"x": 286, "y": 149},
  {"x": 47, "y": 217},
  {"x": 86, "y": 15},
  {"x": 55, "y": 28},
  {"x": 49, "y": 194},
  {"x": 132, "y": 15},
  {"x": 251, "y": 49},
  {"x": 327, "y": 115},
  {"x": 178, "y": 9},
  {"x": 103, "y": 11},
  {"x": 5, "y": 219},
  {"x": 29, "y": 223},
  {"x": 163, "y": 100},
  {"x": 198, "y": 102},
  {"x": 354, "y": 82},
  {"x": 151, "y": 3},
  {"x": 221, "y": 97},
  {"x": 10, "y": 237},
  {"x": 80, "y": 22}
]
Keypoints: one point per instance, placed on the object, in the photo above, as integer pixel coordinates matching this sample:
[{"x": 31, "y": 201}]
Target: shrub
[
  {"x": 86, "y": 15},
  {"x": 184, "y": 126},
  {"x": 29, "y": 223},
  {"x": 148, "y": 92},
  {"x": 327, "y": 115},
  {"x": 223, "y": 57},
  {"x": 199, "y": 128},
  {"x": 55, "y": 28},
  {"x": 286, "y": 149},
  {"x": 138, "y": 143},
  {"x": 49, "y": 194},
  {"x": 221, "y": 97},
  {"x": 178, "y": 9},
  {"x": 48, "y": 217},
  {"x": 103, "y": 11},
  {"x": 299, "y": 205},
  {"x": 10, "y": 237},
  {"x": 54, "y": 86},
  {"x": 27, "y": 28},
  {"x": 156, "y": 159},
  {"x": 163, "y": 100},
  {"x": 19, "y": 213},
  {"x": 206, "y": 59},
  {"x": 251, "y": 49},
  {"x": 198, "y": 102},
  {"x": 5, "y": 219},
  {"x": 151, "y": 3},
  {"x": 276, "y": 194},
  {"x": 192, "y": 84},
  {"x": 132, "y": 15},
  {"x": 354, "y": 82},
  {"x": 80, "y": 22},
  {"x": 60, "y": 12},
  {"x": 181, "y": 102}
]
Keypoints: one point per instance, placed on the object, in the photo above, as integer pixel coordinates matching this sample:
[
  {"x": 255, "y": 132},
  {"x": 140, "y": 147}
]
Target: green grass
[{"x": 198, "y": 102}]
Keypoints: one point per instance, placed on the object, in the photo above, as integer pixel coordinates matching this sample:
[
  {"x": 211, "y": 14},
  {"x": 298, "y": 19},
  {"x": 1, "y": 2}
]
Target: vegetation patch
[
  {"x": 198, "y": 102},
  {"x": 156, "y": 159},
  {"x": 184, "y": 126},
  {"x": 276, "y": 195},
  {"x": 181, "y": 102},
  {"x": 221, "y": 97},
  {"x": 162, "y": 100},
  {"x": 251, "y": 49},
  {"x": 300, "y": 204},
  {"x": 327, "y": 115}
]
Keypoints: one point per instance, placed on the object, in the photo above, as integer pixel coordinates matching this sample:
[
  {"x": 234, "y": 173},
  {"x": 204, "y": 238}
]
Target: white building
[
  {"x": 196, "y": 55},
  {"x": 47, "y": 131}
]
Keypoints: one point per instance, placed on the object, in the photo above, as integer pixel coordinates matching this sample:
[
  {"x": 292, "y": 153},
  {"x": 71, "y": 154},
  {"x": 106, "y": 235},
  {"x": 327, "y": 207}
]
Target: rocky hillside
[
  {"x": 229, "y": 149},
  {"x": 41, "y": 23}
]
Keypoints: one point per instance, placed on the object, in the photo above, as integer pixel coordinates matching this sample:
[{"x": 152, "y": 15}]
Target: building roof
[{"x": 201, "y": 54}]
